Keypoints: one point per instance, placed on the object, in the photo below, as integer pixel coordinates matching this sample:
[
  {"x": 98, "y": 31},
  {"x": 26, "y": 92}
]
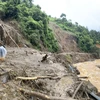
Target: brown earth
[
  {"x": 76, "y": 57},
  {"x": 27, "y": 62},
  {"x": 10, "y": 35},
  {"x": 10, "y": 30},
  {"x": 18, "y": 63},
  {"x": 91, "y": 69},
  {"x": 66, "y": 41}
]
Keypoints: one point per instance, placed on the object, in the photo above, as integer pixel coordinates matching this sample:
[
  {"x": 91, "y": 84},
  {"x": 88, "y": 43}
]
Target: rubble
[{"x": 23, "y": 75}]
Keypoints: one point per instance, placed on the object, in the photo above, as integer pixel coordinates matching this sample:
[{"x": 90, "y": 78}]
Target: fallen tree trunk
[
  {"x": 4, "y": 31},
  {"x": 13, "y": 40},
  {"x": 84, "y": 77},
  {"x": 43, "y": 96},
  {"x": 37, "y": 77}
]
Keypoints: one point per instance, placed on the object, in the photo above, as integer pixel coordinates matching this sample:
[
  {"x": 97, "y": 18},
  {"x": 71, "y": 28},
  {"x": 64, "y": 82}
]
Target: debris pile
[{"x": 34, "y": 78}]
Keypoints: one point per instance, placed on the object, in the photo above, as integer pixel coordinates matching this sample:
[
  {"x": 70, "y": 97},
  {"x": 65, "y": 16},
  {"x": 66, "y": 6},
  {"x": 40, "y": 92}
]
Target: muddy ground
[
  {"x": 91, "y": 69},
  {"x": 26, "y": 62}
]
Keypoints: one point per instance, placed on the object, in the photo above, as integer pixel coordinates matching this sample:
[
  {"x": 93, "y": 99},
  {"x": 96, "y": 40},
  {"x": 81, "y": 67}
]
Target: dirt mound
[
  {"x": 24, "y": 62},
  {"x": 67, "y": 42},
  {"x": 10, "y": 34}
]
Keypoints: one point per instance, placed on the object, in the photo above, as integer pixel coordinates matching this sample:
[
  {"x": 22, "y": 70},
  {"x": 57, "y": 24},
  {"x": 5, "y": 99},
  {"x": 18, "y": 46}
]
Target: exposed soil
[
  {"x": 27, "y": 62},
  {"x": 21, "y": 64},
  {"x": 11, "y": 35},
  {"x": 66, "y": 41},
  {"x": 75, "y": 57}
]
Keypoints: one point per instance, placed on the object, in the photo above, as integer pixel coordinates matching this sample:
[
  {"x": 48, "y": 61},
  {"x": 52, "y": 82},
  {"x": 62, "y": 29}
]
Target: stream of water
[{"x": 91, "y": 69}]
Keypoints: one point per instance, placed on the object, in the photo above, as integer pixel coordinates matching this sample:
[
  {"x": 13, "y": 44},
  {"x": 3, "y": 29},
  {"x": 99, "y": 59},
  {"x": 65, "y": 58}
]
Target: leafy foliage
[
  {"x": 33, "y": 22},
  {"x": 86, "y": 39}
]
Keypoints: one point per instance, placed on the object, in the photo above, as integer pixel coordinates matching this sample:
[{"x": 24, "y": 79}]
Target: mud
[
  {"x": 27, "y": 62},
  {"x": 18, "y": 63},
  {"x": 91, "y": 70}
]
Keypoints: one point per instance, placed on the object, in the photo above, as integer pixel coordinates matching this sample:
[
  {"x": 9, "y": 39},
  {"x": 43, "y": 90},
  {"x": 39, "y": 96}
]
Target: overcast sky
[{"x": 85, "y": 12}]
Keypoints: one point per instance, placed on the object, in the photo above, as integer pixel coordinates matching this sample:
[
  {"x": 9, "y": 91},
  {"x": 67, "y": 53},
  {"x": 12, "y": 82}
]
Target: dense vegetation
[
  {"x": 34, "y": 25},
  {"x": 33, "y": 22},
  {"x": 86, "y": 39}
]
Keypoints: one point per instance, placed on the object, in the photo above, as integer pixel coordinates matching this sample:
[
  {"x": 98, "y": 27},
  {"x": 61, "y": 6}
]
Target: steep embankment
[
  {"x": 10, "y": 34},
  {"x": 66, "y": 41},
  {"x": 68, "y": 46}
]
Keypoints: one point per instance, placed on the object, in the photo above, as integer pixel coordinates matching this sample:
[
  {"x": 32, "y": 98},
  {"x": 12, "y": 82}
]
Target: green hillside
[
  {"x": 86, "y": 39},
  {"x": 33, "y": 25},
  {"x": 32, "y": 21}
]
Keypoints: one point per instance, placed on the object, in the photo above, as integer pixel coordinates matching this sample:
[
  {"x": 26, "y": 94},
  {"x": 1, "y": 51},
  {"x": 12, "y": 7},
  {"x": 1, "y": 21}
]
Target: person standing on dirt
[{"x": 3, "y": 53}]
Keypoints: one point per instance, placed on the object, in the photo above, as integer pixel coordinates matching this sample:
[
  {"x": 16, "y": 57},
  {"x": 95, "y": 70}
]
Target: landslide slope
[{"x": 66, "y": 41}]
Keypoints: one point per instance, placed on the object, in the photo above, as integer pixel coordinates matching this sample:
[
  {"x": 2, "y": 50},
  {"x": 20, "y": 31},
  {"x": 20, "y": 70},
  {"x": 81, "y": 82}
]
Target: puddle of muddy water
[{"x": 91, "y": 70}]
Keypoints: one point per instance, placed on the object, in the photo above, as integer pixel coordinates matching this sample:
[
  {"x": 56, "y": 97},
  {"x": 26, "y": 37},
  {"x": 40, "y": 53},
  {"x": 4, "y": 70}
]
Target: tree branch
[
  {"x": 43, "y": 96},
  {"x": 77, "y": 89},
  {"x": 37, "y": 77}
]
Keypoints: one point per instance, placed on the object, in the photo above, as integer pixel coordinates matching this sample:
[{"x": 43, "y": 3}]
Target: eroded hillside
[
  {"x": 66, "y": 41},
  {"x": 54, "y": 77},
  {"x": 10, "y": 35}
]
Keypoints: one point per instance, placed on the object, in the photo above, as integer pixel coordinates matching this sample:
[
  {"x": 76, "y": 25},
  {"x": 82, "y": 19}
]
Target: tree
[
  {"x": 32, "y": 22},
  {"x": 76, "y": 23},
  {"x": 63, "y": 15},
  {"x": 38, "y": 7}
]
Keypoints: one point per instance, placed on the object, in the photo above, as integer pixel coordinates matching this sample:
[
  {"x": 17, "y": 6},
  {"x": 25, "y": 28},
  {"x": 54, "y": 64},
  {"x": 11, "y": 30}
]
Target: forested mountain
[
  {"x": 86, "y": 39},
  {"x": 33, "y": 25},
  {"x": 32, "y": 22}
]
